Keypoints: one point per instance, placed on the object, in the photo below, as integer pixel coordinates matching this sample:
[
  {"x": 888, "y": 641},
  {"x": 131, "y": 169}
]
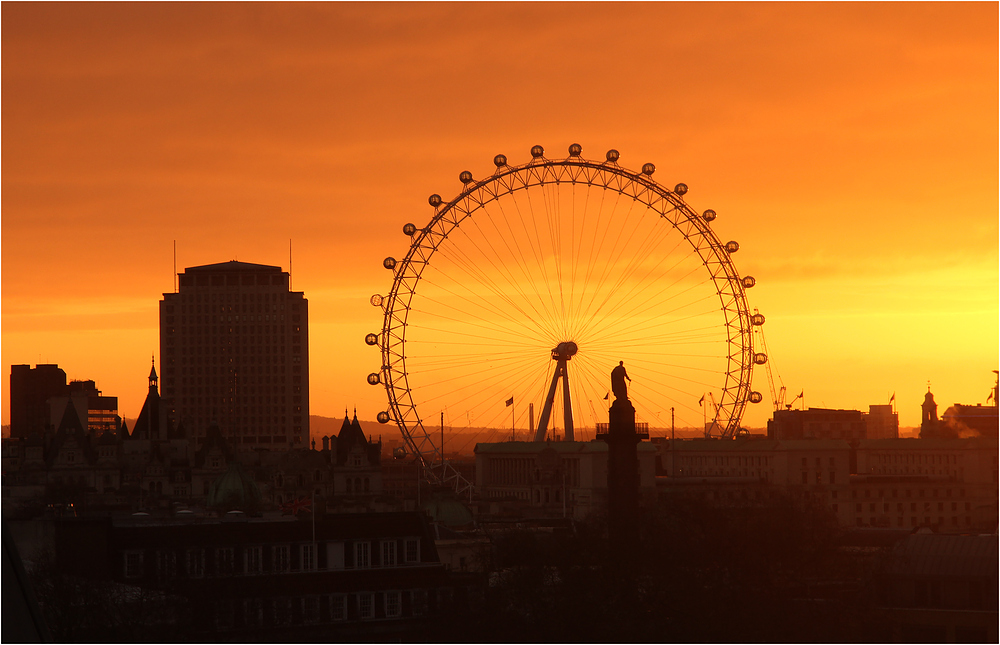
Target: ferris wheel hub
[{"x": 564, "y": 351}]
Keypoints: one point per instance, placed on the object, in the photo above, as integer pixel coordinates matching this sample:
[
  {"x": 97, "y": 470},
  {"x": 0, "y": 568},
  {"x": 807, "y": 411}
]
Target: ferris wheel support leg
[
  {"x": 567, "y": 405},
  {"x": 543, "y": 420}
]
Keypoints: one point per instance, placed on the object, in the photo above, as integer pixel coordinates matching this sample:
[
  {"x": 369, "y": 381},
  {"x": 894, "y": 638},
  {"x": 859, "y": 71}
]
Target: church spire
[{"x": 152, "y": 375}]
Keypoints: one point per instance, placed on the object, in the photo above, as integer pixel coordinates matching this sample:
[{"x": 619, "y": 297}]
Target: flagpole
[{"x": 704, "y": 417}]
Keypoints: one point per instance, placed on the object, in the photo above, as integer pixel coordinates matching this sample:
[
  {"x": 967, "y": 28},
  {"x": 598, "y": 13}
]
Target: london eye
[{"x": 549, "y": 273}]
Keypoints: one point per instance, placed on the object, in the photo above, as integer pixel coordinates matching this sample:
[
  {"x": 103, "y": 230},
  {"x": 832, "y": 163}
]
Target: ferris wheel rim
[{"x": 539, "y": 171}]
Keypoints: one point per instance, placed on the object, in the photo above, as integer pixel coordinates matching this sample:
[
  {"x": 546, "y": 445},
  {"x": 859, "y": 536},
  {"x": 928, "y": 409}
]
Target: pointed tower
[
  {"x": 929, "y": 417},
  {"x": 151, "y": 423},
  {"x": 152, "y": 375}
]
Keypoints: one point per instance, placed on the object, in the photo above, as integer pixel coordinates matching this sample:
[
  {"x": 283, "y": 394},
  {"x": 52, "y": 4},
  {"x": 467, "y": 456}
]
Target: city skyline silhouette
[{"x": 827, "y": 138}]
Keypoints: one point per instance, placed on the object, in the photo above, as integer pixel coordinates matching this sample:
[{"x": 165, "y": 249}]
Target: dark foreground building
[
  {"x": 941, "y": 588},
  {"x": 353, "y": 577}
]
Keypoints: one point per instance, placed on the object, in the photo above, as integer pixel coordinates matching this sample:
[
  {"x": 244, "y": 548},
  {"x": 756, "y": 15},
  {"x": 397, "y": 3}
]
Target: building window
[
  {"x": 366, "y": 605},
  {"x": 253, "y": 560},
  {"x": 282, "y": 611},
  {"x": 308, "y": 555},
  {"x": 225, "y": 561},
  {"x": 195, "y": 563},
  {"x": 224, "y": 615},
  {"x": 166, "y": 565},
  {"x": 393, "y": 604},
  {"x": 389, "y": 553},
  {"x": 133, "y": 564},
  {"x": 418, "y": 598},
  {"x": 362, "y": 555},
  {"x": 338, "y": 607},
  {"x": 253, "y": 612},
  {"x": 310, "y": 609},
  {"x": 412, "y": 550},
  {"x": 282, "y": 558}
]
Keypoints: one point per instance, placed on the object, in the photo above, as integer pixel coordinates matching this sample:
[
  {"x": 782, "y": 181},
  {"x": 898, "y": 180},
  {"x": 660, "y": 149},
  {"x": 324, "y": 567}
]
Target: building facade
[
  {"x": 947, "y": 485},
  {"x": 234, "y": 342},
  {"x": 552, "y": 479}
]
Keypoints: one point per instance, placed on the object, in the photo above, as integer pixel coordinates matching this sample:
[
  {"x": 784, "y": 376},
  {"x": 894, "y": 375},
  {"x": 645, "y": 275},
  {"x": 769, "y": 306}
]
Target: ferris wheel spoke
[
  {"x": 501, "y": 264},
  {"x": 494, "y": 289},
  {"x": 639, "y": 303},
  {"x": 612, "y": 324}
]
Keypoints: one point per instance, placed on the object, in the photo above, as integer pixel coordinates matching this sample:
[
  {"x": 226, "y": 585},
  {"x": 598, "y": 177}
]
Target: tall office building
[{"x": 234, "y": 343}]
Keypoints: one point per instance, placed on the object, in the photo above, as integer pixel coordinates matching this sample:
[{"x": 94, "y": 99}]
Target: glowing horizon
[{"x": 850, "y": 149}]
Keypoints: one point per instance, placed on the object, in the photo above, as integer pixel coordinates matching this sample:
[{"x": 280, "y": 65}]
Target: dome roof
[{"x": 234, "y": 489}]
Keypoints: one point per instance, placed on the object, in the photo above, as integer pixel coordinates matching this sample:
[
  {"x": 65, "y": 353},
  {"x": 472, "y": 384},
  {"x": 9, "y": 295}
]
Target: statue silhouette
[{"x": 618, "y": 377}]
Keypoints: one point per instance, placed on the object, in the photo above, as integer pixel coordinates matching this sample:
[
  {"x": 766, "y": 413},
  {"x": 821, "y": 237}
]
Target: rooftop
[
  {"x": 233, "y": 265},
  {"x": 567, "y": 447}
]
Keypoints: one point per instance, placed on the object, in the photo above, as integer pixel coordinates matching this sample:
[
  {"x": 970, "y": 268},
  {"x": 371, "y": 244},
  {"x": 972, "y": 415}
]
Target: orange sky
[{"x": 851, "y": 149}]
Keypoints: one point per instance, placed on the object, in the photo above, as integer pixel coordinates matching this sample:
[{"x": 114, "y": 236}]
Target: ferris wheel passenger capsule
[
  {"x": 409, "y": 229},
  {"x": 434, "y": 200},
  {"x": 376, "y": 300},
  {"x": 398, "y": 452},
  {"x": 760, "y": 358},
  {"x": 648, "y": 169},
  {"x": 732, "y": 246},
  {"x": 756, "y": 397},
  {"x": 371, "y": 339},
  {"x": 465, "y": 177},
  {"x": 575, "y": 150},
  {"x": 757, "y": 319},
  {"x": 681, "y": 189},
  {"x": 383, "y": 417},
  {"x": 389, "y": 263},
  {"x": 749, "y": 281},
  {"x": 537, "y": 152},
  {"x": 708, "y": 215},
  {"x": 500, "y": 161},
  {"x": 612, "y": 156},
  {"x": 373, "y": 378}
]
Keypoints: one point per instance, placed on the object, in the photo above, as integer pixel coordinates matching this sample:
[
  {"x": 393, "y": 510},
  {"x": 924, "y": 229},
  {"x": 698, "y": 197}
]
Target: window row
[
  {"x": 258, "y": 559},
  {"x": 331, "y": 608}
]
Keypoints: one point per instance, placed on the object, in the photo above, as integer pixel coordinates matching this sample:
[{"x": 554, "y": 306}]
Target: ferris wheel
[{"x": 552, "y": 272}]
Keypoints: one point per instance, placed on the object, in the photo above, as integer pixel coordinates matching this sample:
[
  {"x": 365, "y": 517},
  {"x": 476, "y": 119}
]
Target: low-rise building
[
  {"x": 552, "y": 478},
  {"x": 346, "y": 577}
]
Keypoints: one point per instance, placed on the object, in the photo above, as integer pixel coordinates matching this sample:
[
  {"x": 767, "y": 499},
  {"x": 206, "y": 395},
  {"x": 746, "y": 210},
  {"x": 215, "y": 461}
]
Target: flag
[
  {"x": 510, "y": 402},
  {"x": 294, "y": 506},
  {"x": 701, "y": 400},
  {"x": 892, "y": 398},
  {"x": 801, "y": 394},
  {"x": 607, "y": 395}
]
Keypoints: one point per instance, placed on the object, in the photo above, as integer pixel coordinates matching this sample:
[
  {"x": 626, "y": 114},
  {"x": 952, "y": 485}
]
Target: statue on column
[{"x": 618, "y": 378}]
